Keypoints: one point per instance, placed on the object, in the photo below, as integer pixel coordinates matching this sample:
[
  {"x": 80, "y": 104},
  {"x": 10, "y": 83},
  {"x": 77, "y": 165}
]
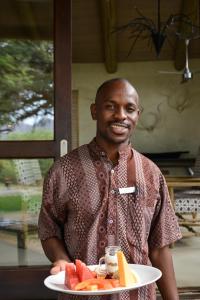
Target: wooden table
[
  {"x": 184, "y": 182},
  {"x": 173, "y": 182}
]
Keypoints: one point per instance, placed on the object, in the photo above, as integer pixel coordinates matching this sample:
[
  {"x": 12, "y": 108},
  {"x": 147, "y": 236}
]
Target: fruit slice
[
  {"x": 83, "y": 271},
  {"x": 71, "y": 277},
  {"x": 97, "y": 283},
  {"x": 126, "y": 276},
  {"x": 92, "y": 287},
  {"x": 86, "y": 283},
  {"x": 115, "y": 282}
]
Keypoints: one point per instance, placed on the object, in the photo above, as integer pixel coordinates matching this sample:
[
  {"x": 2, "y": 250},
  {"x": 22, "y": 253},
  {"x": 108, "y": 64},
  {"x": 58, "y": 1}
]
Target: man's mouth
[
  {"x": 119, "y": 125},
  {"x": 119, "y": 128}
]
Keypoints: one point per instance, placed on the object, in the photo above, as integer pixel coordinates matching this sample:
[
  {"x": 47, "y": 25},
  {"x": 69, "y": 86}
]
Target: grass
[{"x": 15, "y": 203}]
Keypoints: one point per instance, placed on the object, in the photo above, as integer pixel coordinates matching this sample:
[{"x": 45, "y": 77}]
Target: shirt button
[
  {"x": 110, "y": 221},
  {"x": 112, "y": 171},
  {"x": 112, "y": 192}
]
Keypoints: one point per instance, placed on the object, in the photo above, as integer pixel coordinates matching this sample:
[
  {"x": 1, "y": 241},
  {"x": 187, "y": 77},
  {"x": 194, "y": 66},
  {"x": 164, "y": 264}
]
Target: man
[{"x": 106, "y": 193}]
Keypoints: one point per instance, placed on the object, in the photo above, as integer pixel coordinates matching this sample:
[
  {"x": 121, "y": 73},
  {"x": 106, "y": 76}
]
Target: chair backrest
[{"x": 29, "y": 177}]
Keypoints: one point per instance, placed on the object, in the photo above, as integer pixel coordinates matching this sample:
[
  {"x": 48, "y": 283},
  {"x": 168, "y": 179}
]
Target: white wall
[{"x": 174, "y": 127}]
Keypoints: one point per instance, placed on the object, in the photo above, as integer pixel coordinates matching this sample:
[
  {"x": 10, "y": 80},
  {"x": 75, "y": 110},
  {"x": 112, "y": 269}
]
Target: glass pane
[
  {"x": 20, "y": 199},
  {"x": 26, "y": 70}
]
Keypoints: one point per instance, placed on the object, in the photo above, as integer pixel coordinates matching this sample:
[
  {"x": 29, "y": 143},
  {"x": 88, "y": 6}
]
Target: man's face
[{"x": 116, "y": 112}]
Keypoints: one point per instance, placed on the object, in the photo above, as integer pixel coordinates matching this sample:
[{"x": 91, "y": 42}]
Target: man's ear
[
  {"x": 93, "y": 111},
  {"x": 139, "y": 113}
]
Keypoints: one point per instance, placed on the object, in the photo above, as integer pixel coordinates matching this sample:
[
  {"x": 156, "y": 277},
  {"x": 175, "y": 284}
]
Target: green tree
[{"x": 26, "y": 80}]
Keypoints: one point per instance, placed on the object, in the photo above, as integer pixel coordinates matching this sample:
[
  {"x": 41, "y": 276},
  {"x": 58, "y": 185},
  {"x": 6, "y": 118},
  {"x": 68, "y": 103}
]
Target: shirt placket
[{"x": 112, "y": 208}]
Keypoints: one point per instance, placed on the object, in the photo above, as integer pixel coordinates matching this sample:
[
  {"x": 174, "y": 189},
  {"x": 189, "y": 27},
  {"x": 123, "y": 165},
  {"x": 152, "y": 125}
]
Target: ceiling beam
[
  {"x": 108, "y": 23},
  {"x": 191, "y": 9}
]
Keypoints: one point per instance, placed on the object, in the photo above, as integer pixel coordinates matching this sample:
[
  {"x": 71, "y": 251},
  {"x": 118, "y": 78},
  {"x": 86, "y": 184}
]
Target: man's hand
[
  {"x": 55, "y": 251},
  {"x": 58, "y": 266}
]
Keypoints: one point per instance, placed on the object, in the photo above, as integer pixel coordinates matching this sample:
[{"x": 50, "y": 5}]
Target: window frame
[{"x": 27, "y": 282}]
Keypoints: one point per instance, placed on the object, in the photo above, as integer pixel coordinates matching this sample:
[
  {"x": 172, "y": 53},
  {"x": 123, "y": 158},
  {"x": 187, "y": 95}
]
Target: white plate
[{"x": 147, "y": 275}]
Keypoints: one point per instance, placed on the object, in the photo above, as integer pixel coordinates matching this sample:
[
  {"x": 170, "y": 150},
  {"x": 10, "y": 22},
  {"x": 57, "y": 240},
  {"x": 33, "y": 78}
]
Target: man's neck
[{"x": 112, "y": 150}]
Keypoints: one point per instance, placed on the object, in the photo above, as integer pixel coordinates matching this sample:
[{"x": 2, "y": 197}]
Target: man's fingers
[
  {"x": 58, "y": 266},
  {"x": 55, "y": 270}
]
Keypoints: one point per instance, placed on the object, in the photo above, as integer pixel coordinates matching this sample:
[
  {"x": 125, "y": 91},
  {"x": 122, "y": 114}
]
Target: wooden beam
[
  {"x": 108, "y": 20},
  {"x": 191, "y": 9}
]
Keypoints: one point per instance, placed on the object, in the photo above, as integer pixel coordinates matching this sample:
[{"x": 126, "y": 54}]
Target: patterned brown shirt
[{"x": 83, "y": 206}]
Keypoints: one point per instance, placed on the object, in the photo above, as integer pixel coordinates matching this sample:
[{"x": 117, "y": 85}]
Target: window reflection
[{"x": 20, "y": 199}]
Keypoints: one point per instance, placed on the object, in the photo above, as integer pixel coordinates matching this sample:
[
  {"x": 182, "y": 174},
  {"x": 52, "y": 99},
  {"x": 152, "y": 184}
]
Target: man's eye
[
  {"x": 110, "y": 107},
  {"x": 131, "y": 109}
]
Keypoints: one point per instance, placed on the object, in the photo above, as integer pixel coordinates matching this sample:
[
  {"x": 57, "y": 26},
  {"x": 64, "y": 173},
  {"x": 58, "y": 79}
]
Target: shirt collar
[{"x": 124, "y": 153}]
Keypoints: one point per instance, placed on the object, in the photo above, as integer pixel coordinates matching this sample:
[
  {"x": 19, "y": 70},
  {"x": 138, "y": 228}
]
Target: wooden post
[{"x": 108, "y": 17}]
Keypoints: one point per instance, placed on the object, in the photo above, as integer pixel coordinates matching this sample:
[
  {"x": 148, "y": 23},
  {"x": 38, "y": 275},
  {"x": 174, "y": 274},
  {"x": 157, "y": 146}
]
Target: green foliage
[
  {"x": 10, "y": 203},
  {"x": 45, "y": 164},
  {"x": 26, "y": 76},
  {"x": 7, "y": 171},
  {"x": 35, "y": 134}
]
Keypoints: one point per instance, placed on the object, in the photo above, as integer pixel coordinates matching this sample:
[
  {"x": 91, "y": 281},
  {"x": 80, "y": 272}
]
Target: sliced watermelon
[
  {"x": 71, "y": 277},
  {"x": 83, "y": 271}
]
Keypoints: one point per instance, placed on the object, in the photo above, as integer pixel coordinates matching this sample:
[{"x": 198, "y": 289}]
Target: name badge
[{"x": 127, "y": 190}]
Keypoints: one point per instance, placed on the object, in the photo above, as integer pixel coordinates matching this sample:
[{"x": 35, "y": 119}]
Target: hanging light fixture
[{"x": 144, "y": 27}]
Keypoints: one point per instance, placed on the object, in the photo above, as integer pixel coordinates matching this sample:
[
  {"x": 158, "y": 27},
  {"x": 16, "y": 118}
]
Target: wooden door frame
[
  {"x": 62, "y": 94},
  {"x": 63, "y": 57},
  {"x": 24, "y": 282}
]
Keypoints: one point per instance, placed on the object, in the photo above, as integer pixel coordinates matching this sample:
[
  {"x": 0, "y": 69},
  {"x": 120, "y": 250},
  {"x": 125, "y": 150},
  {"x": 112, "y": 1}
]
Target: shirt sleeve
[
  {"x": 48, "y": 223},
  {"x": 165, "y": 228}
]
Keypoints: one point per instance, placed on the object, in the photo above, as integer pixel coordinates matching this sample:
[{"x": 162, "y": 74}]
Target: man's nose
[{"x": 120, "y": 114}]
